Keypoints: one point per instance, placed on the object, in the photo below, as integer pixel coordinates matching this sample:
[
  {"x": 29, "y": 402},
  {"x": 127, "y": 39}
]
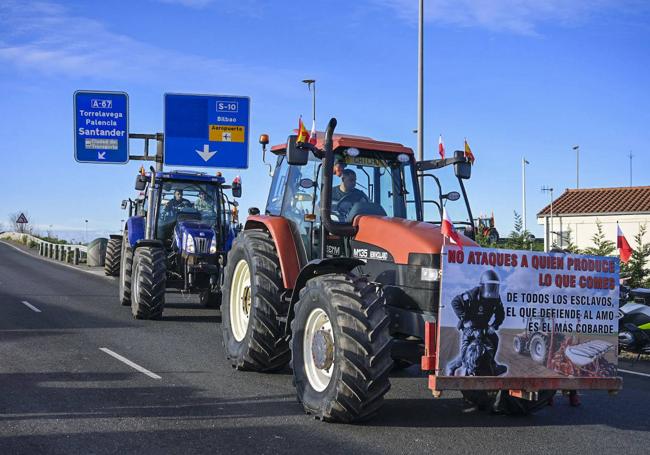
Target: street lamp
[
  {"x": 546, "y": 189},
  {"x": 420, "y": 132},
  {"x": 86, "y": 237},
  {"x": 524, "y": 162},
  {"x": 577, "y": 149}
]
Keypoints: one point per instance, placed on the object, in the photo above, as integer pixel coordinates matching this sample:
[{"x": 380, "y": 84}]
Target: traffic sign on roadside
[
  {"x": 22, "y": 219},
  {"x": 207, "y": 130},
  {"x": 101, "y": 127}
]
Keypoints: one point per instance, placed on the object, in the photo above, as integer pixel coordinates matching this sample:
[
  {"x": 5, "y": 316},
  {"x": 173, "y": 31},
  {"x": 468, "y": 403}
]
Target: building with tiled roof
[{"x": 573, "y": 215}]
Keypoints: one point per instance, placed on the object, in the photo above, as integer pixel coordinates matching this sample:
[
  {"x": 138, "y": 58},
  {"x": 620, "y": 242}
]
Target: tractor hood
[
  {"x": 401, "y": 237},
  {"x": 201, "y": 233}
]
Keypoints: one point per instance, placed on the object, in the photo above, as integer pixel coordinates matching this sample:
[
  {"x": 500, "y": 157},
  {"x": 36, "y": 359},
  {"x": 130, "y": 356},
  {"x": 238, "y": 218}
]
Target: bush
[
  {"x": 32, "y": 244},
  {"x": 23, "y": 239}
]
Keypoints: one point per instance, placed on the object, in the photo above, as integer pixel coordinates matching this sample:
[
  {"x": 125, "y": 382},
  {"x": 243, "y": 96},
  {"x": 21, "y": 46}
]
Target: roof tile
[{"x": 634, "y": 199}]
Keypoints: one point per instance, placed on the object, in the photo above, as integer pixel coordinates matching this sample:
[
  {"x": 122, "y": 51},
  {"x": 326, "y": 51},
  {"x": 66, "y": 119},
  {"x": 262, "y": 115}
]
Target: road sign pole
[{"x": 160, "y": 142}]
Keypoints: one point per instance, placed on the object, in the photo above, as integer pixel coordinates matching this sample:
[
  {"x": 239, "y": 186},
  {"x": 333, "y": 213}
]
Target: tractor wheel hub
[{"x": 322, "y": 350}]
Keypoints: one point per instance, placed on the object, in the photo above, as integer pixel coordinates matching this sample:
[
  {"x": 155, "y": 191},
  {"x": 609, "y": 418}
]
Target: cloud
[
  {"x": 515, "y": 16},
  {"x": 47, "y": 38}
]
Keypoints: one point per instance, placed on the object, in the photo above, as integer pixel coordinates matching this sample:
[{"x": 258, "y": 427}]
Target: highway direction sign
[
  {"x": 207, "y": 130},
  {"x": 101, "y": 127}
]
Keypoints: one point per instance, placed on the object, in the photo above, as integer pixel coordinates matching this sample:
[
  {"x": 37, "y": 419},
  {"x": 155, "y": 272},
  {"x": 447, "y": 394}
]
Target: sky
[{"x": 515, "y": 77}]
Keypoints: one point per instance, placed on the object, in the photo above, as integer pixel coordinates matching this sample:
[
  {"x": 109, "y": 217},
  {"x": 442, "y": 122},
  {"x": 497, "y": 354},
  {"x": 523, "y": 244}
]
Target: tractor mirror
[
  {"x": 462, "y": 169},
  {"x": 124, "y": 204},
  {"x": 452, "y": 196},
  {"x": 140, "y": 182},
  {"x": 296, "y": 156},
  {"x": 307, "y": 183}
]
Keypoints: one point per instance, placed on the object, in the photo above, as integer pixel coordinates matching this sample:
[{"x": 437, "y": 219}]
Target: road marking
[
  {"x": 634, "y": 372},
  {"x": 131, "y": 364},
  {"x": 30, "y": 306}
]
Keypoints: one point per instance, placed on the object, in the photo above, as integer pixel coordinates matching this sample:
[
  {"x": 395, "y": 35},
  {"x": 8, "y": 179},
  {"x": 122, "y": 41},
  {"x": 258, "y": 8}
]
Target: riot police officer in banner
[{"x": 479, "y": 309}]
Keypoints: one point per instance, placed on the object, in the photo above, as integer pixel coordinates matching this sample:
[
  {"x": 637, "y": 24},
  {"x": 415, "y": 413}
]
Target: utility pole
[
  {"x": 86, "y": 239},
  {"x": 524, "y": 162},
  {"x": 630, "y": 156},
  {"x": 577, "y": 149},
  {"x": 312, "y": 83},
  {"x": 420, "y": 147},
  {"x": 549, "y": 190}
]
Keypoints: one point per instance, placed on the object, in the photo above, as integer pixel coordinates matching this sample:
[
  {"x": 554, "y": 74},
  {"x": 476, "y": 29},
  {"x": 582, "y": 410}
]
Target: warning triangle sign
[{"x": 22, "y": 219}]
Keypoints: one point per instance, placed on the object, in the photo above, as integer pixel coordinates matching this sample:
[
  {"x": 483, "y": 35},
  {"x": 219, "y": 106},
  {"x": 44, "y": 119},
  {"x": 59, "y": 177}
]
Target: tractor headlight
[
  {"x": 189, "y": 243},
  {"x": 213, "y": 245},
  {"x": 429, "y": 274}
]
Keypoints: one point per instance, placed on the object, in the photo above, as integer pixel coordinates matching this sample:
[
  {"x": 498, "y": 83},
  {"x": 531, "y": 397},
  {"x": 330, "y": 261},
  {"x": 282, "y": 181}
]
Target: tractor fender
[
  {"x": 148, "y": 242},
  {"x": 316, "y": 268},
  {"x": 285, "y": 244},
  {"x": 135, "y": 227}
]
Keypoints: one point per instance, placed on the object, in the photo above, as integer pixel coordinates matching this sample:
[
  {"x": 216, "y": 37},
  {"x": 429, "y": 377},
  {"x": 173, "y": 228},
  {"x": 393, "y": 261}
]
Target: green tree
[
  {"x": 635, "y": 269},
  {"x": 519, "y": 238},
  {"x": 602, "y": 246}
]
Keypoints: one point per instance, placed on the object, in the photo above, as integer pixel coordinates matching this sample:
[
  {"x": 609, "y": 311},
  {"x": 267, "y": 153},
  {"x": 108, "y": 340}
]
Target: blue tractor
[{"x": 178, "y": 239}]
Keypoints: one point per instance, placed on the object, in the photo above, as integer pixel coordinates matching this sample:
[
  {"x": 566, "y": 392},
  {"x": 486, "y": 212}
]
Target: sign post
[
  {"x": 101, "y": 127},
  {"x": 206, "y": 130}
]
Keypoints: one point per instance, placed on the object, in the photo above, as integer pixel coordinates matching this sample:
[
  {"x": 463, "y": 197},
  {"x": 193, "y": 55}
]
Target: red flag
[
  {"x": 623, "y": 246},
  {"x": 312, "y": 136},
  {"x": 441, "y": 147},
  {"x": 447, "y": 229},
  {"x": 468, "y": 153},
  {"x": 303, "y": 134}
]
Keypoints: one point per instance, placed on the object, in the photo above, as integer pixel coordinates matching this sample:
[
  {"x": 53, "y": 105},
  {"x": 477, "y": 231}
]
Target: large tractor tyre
[
  {"x": 501, "y": 402},
  {"x": 493, "y": 235},
  {"x": 210, "y": 299},
  {"x": 253, "y": 337},
  {"x": 341, "y": 348},
  {"x": 113, "y": 257},
  {"x": 518, "y": 344},
  {"x": 126, "y": 269},
  {"x": 149, "y": 280},
  {"x": 538, "y": 348}
]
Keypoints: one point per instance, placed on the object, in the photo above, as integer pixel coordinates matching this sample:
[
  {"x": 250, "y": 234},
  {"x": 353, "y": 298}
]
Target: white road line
[
  {"x": 131, "y": 364},
  {"x": 634, "y": 372},
  {"x": 30, "y": 306}
]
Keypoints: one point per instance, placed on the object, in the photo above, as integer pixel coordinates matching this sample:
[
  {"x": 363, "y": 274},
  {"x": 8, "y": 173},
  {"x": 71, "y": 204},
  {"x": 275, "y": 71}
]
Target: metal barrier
[{"x": 72, "y": 254}]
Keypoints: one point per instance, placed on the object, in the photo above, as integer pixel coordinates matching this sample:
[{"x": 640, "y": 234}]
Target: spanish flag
[
  {"x": 303, "y": 134},
  {"x": 468, "y": 153}
]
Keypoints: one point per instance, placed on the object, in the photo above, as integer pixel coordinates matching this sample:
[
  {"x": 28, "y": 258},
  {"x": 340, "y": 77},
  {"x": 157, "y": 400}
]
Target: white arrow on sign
[
  {"x": 206, "y": 154},
  {"x": 100, "y": 155}
]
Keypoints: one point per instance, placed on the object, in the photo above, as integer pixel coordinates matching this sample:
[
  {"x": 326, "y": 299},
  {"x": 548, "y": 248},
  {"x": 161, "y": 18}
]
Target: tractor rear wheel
[
  {"x": 538, "y": 348},
  {"x": 341, "y": 348},
  {"x": 113, "y": 257},
  {"x": 126, "y": 268},
  {"x": 501, "y": 402},
  {"x": 149, "y": 280},
  {"x": 253, "y": 336}
]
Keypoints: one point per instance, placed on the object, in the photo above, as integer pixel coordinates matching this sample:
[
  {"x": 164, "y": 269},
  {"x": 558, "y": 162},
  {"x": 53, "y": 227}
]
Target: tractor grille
[{"x": 201, "y": 245}]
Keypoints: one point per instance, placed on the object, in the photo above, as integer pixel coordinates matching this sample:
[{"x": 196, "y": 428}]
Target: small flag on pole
[
  {"x": 312, "y": 136},
  {"x": 447, "y": 229},
  {"x": 303, "y": 134},
  {"x": 441, "y": 147},
  {"x": 623, "y": 246},
  {"x": 468, "y": 153}
]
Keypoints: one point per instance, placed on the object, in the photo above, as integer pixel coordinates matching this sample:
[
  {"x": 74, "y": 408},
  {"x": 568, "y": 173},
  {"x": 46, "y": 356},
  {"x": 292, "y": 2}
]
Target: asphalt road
[{"x": 60, "y": 393}]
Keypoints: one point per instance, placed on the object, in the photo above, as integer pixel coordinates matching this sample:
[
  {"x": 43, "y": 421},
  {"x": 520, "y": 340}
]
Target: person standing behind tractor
[{"x": 479, "y": 309}]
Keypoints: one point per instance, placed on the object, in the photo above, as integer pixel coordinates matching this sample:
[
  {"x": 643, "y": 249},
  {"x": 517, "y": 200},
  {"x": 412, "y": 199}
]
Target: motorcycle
[{"x": 634, "y": 320}]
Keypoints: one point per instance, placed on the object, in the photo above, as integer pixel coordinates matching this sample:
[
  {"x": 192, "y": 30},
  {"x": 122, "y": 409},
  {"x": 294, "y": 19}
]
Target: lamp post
[
  {"x": 550, "y": 191},
  {"x": 86, "y": 236},
  {"x": 420, "y": 133},
  {"x": 577, "y": 149},
  {"x": 524, "y": 162}
]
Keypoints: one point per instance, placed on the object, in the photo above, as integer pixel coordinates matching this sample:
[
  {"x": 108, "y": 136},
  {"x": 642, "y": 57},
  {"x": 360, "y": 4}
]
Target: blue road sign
[
  {"x": 101, "y": 127},
  {"x": 207, "y": 130}
]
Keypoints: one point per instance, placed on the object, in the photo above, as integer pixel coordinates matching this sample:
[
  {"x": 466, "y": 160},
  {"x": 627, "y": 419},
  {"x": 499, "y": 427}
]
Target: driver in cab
[
  {"x": 177, "y": 203},
  {"x": 346, "y": 195}
]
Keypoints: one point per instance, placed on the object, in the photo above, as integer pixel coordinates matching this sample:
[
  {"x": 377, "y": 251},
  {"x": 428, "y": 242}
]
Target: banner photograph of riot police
[{"x": 527, "y": 314}]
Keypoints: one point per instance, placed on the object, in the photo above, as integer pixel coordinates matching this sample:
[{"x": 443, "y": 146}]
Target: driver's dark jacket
[
  {"x": 174, "y": 204},
  {"x": 470, "y": 307},
  {"x": 352, "y": 196}
]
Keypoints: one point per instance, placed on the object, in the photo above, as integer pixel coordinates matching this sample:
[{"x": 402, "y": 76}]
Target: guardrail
[{"x": 73, "y": 254}]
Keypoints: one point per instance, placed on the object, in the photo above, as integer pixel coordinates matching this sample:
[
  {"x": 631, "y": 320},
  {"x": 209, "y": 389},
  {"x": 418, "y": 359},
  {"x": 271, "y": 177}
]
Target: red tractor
[{"x": 340, "y": 276}]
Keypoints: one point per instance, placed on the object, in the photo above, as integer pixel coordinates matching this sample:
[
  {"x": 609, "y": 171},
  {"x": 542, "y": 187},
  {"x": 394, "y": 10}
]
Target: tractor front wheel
[
  {"x": 113, "y": 257},
  {"x": 253, "y": 336},
  {"x": 149, "y": 281},
  {"x": 341, "y": 348},
  {"x": 126, "y": 268}
]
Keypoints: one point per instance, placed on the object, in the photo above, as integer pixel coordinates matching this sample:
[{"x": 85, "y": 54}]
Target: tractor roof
[
  {"x": 348, "y": 140},
  {"x": 190, "y": 176}
]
